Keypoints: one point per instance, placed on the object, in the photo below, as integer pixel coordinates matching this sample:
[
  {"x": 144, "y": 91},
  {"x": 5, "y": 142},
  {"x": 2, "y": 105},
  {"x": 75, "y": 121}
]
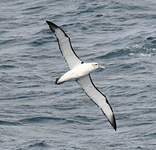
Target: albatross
[{"x": 80, "y": 72}]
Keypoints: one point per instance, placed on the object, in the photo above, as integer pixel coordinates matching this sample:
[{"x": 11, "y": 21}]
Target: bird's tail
[{"x": 57, "y": 81}]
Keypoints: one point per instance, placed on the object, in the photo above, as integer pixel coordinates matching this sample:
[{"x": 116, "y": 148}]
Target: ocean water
[{"x": 36, "y": 114}]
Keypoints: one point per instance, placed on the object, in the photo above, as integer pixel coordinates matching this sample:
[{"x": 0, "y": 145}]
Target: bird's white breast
[{"x": 77, "y": 72}]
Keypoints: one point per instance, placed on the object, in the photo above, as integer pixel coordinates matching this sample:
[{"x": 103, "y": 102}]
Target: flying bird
[{"x": 80, "y": 72}]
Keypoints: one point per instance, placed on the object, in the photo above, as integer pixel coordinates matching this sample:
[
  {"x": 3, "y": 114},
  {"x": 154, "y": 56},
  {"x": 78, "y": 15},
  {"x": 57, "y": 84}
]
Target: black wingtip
[
  {"x": 48, "y": 22},
  {"x": 56, "y": 81},
  {"x": 113, "y": 123},
  {"x": 112, "y": 120},
  {"x": 52, "y": 26}
]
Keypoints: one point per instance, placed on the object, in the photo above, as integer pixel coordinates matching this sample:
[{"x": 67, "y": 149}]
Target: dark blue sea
[{"x": 36, "y": 114}]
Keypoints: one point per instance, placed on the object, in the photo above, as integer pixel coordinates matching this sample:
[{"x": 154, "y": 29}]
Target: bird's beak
[{"x": 102, "y": 66}]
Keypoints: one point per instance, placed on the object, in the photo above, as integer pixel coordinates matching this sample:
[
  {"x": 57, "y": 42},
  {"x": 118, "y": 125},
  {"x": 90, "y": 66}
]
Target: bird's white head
[{"x": 97, "y": 66}]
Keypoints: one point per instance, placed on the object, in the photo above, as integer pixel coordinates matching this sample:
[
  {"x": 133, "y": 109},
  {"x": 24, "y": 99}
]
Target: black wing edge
[
  {"x": 113, "y": 120},
  {"x": 52, "y": 27}
]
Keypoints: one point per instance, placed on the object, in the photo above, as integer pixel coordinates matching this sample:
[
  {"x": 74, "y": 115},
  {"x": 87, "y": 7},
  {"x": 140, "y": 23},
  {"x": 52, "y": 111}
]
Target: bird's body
[
  {"x": 77, "y": 72},
  {"x": 80, "y": 72}
]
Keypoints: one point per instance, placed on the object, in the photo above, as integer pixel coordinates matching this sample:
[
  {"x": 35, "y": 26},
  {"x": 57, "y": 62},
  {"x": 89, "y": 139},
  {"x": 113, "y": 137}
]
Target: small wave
[
  {"x": 8, "y": 123},
  {"x": 7, "y": 66},
  {"x": 141, "y": 54},
  {"x": 44, "y": 32},
  {"x": 8, "y": 41},
  {"x": 38, "y": 42},
  {"x": 151, "y": 135},
  {"x": 114, "y": 54},
  {"x": 36, "y": 144},
  {"x": 76, "y": 119},
  {"x": 142, "y": 51},
  {"x": 39, "y": 144},
  {"x": 85, "y": 118},
  {"x": 33, "y": 10},
  {"x": 41, "y": 119},
  {"x": 151, "y": 40},
  {"x": 41, "y": 56}
]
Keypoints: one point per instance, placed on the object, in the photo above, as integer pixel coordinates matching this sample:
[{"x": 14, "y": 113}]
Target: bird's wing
[
  {"x": 98, "y": 98},
  {"x": 65, "y": 45}
]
